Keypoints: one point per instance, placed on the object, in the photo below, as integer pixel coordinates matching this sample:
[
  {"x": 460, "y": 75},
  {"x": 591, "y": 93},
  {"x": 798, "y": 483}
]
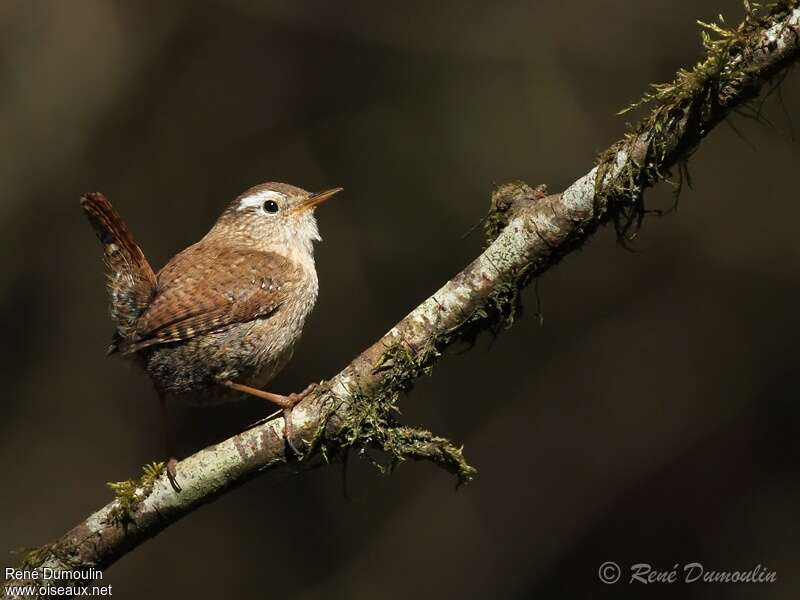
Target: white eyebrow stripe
[{"x": 259, "y": 198}]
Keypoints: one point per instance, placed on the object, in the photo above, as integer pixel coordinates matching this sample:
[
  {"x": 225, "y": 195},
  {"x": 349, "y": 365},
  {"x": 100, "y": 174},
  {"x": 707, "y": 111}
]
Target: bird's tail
[{"x": 131, "y": 280}]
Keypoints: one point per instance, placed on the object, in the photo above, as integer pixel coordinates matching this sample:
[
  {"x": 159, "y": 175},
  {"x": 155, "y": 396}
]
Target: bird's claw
[{"x": 288, "y": 428}]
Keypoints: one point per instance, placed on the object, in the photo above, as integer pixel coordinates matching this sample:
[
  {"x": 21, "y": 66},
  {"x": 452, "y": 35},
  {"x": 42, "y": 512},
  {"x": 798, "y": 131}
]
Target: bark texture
[{"x": 528, "y": 232}]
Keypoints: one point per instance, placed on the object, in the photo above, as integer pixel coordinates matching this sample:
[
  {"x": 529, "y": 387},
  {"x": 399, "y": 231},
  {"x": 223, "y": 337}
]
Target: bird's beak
[{"x": 316, "y": 199}]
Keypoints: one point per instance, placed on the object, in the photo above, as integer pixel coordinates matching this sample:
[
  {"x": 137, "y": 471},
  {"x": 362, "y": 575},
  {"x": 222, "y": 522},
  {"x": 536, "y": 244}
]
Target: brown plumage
[
  {"x": 131, "y": 281},
  {"x": 226, "y": 312},
  {"x": 196, "y": 296}
]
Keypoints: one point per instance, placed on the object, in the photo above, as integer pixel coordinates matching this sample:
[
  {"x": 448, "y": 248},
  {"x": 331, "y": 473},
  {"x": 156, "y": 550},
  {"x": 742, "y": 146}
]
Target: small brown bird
[{"x": 226, "y": 312}]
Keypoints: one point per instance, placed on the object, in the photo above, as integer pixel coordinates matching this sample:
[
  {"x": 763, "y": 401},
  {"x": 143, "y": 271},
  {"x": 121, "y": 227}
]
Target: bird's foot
[
  {"x": 286, "y": 403},
  {"x": 288, "y": 428}
]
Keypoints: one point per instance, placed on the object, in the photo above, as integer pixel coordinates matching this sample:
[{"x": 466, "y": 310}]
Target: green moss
[
  {"x": 683, "y": 112},
  {"x": 130, "y": 493},
  {"x": 372, "y": 423},
  {"x": 401, "y": 365},
  {"x": 371, "y": 420},
  {"x": 724, "y": 47},
  {"x": 33, "y": 558},
  {"x": 417, "y": 444}
]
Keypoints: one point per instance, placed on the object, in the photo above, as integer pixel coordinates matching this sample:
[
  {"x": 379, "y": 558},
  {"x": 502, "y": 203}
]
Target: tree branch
[{"x": 529, "y": 232}]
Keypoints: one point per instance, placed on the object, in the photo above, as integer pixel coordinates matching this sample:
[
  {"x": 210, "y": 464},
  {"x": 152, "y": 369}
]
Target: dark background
[{"x": 651, "y": 418}]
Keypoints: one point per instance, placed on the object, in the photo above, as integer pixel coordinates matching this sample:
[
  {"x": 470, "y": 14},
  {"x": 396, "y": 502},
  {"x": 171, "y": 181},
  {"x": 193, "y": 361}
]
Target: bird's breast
[{"x": 273, "y": 339}]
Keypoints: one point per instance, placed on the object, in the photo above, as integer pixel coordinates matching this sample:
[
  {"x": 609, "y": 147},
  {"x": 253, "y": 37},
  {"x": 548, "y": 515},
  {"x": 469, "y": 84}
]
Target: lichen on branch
[{"x": 738, "y": 60}]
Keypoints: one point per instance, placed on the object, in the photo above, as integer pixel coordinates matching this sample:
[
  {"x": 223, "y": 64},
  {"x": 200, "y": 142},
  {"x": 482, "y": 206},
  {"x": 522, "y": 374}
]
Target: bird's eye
[{"x": 270, "y": 206}]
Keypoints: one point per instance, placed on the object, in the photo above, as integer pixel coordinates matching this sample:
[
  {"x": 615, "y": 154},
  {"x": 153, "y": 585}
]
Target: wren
[{"x": 224, "y": 315}]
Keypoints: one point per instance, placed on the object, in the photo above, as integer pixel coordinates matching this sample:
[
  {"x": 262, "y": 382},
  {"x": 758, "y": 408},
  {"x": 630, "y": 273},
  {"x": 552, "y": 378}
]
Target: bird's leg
[
  {"x": 169, "y": 436},
  {"x": 286, "y": 403}
]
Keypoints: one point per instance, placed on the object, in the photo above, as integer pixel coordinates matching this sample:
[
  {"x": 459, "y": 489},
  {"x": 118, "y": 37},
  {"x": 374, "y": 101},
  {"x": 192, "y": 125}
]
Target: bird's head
[{"x": 274, "y": 217}]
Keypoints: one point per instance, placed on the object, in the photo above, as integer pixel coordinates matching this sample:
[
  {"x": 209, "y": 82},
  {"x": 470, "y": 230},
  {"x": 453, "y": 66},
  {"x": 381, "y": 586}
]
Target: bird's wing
[{"x": 205, "y": 290}]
